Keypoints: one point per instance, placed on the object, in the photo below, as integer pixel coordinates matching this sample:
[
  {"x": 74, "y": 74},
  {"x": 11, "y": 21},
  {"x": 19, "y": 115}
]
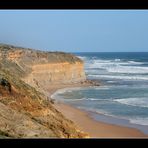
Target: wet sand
[{"x": 95, "y": 129}]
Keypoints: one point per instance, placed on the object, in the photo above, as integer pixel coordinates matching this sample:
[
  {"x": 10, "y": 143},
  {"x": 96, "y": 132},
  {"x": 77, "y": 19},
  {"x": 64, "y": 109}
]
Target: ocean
[{"x": 122, "y": 98}]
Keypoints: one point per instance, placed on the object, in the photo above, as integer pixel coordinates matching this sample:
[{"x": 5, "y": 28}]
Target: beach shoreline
[{"x": 85, "y": 123}]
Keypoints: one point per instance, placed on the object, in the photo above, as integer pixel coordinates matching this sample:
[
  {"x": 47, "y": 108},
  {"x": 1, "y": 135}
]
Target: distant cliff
[{"x": 25, "y": 75}]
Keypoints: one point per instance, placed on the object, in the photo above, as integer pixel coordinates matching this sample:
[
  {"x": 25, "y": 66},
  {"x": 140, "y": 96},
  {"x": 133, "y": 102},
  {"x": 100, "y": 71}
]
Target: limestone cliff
[
  {"x": 43, "y": 75},
  {"x": 25, "y": 75}
]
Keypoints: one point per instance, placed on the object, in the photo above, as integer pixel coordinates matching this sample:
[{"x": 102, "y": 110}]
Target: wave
[
  {"x": 127, "y": 69},
  {"x": 119, "y": 69},
  {"x": 116, "y": 66},
  {"x": 140, "y": 102},
  {"x": 120, "y": 77},
  {"x": 88, "y": 99},
  {"x": 138, "y": 120},
  {"x": 110, "y": 81},
  {"x": 95, "y": 99},
  {"x": 101, "y": 87},
  {"x": 133, "y": 120},
  {"x": 137, "y": 63},
  {"x": 97, "y": 62}
]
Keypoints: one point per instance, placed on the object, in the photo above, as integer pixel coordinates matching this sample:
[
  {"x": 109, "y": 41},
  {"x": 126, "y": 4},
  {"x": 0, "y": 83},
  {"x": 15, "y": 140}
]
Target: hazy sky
[{"x": 76, "y": 30}]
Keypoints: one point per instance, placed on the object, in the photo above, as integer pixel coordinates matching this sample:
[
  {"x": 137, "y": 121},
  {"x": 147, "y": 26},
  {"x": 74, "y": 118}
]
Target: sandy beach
[{"x": 95, "y": 129}]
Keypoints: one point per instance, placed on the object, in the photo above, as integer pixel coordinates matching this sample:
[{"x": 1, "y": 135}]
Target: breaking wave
[
  {"x": 145, "y": 77},
  {"x": 140, "y": 102}
]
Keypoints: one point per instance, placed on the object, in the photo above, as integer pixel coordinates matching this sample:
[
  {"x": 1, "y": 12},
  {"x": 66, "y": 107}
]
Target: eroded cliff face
[
  {"x": 42, "y": 75},
  {"x": 45, "y": 68}
]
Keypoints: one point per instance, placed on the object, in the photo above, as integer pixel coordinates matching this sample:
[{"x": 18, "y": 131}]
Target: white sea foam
[
  {"x": 137, "y": 63},
  {"x": 133, "y": 120},
  {"x": 116, "y": 66},
  {"x": 127, "y": 69},
  {"x": 87, "y": 99},
  {"x": 120, "y": 77},
  {"x": 140, "y": 102},
  {"x": 138, "y": 120},
  {"x": 102, "y": 87},
  {"x": 110, "y": 81},
  {"x": 95, "y": 99},
  {"x": 98, "y": 62}
]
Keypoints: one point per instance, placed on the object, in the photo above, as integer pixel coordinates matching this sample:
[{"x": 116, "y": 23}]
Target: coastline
[{"x": 85, "y": 123}]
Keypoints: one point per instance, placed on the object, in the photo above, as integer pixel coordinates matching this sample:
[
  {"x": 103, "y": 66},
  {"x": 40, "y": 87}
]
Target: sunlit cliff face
[{"x": 56, "y": 73}]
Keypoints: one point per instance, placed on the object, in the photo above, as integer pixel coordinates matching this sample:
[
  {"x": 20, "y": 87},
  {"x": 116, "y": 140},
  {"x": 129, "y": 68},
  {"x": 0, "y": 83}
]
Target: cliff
[
  {"x": 39, "y": 69},
  {"x": 25, "y": 75}
]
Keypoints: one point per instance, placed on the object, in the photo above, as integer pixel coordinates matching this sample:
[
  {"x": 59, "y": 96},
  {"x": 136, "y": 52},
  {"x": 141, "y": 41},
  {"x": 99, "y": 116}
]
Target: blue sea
[{"x": 123, "y": 96}]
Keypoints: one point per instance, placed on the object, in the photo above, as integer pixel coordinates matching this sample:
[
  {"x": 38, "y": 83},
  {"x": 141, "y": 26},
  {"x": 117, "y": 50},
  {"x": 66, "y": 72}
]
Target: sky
[{"x": 76, "y": 30}]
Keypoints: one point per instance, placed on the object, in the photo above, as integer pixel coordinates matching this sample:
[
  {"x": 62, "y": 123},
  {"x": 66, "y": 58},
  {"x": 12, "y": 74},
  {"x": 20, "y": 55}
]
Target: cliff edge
[{"x": 40, "y": 69}]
